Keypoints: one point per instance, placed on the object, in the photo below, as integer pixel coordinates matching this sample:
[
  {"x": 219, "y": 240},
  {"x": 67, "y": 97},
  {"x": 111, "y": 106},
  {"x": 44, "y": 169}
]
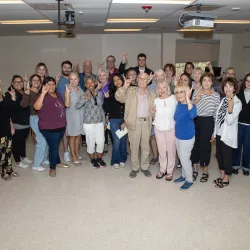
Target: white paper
[
  {"x": 108, "y": 125},
  {"x": 120, "y": 133}
]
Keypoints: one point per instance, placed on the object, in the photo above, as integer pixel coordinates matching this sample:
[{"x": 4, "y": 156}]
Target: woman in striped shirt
[{"x": 207, "y": 102}]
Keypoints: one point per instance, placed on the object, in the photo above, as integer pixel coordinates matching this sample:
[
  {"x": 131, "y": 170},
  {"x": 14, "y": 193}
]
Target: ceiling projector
[{"x": 196, "y": 21}]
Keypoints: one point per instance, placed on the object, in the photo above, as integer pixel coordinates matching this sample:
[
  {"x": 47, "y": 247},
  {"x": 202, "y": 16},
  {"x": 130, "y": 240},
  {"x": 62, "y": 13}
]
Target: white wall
[
  {"x": 21, "y": 54},
  {"x": 239, "y": 60},
  {"x": 169, "y": 48}
]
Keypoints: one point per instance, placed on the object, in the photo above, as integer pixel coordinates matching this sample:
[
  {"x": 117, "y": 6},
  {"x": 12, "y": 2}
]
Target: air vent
[
  {"x": 84, "y": 25},
  {"x": 204, "y": 7},
  {"x": 52, "y": 6}
]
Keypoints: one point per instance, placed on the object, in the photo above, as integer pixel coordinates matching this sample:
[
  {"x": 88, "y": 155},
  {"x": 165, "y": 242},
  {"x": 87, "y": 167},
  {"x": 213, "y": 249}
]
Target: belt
[{"x": 142, "y": 119}]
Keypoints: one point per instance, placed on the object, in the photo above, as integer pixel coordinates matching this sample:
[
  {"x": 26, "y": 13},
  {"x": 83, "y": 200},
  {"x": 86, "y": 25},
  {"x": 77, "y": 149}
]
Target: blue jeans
[
  {"x": 53, "y": 139},
  {"x": 119, "y": 149},
  {"x": 41, "y": 149},
  {"x": 243, "y": 145}
]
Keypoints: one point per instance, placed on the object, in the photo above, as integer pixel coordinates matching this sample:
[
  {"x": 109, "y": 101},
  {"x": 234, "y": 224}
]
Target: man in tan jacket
[{"x": 138, "y": 105}]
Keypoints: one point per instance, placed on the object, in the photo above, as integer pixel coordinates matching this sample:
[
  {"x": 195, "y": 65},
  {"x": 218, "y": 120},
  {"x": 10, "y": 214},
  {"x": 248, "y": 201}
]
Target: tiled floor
[{"x": 83, "y": 208}]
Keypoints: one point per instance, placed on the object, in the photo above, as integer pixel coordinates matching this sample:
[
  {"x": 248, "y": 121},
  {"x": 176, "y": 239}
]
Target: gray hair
[
  {"x": 232, "y": 68},
  {"x": 103, "y": 71}
]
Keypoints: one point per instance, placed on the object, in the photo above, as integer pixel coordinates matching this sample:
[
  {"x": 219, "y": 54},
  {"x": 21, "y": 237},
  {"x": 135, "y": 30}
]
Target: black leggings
[
  {"x": 19, "y": 143},
  {"x": 201, "y": 152},
  {"x": 224, "y": 156},
  {"x": 108, "y": 134}
]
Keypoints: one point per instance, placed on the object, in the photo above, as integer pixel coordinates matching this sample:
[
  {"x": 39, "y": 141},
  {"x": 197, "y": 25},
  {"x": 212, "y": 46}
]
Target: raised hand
[
  {"x": 76, "y": 65},
  {"x": 208, "y": 64},
  {"x": 151, "y": 76},
  {"x": 58, "y": 76},
  {"x": 100, "y": 65},
  {"x": 99, "y": 86},
  {"x": 68, "y": 89},
  {"x": 12, "y": 130},
  {"x": 87, "y": 96},
  {"x": 125, "y": 58},
  {"x": 45, "y": 90},
  {"x": 188, "y": 94},
  {"x": 127, "y": 82},
  {"x": 106, "y": 94},
  {"x": 12, "y": 93},
  {"x": 26, "y": 77},
  {"x": 198, "y": 94},
  {"x": 27, "y": 91},
  {"x": 176, "y": 80}
]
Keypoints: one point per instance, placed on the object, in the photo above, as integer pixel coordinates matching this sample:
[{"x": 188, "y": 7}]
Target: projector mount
[
  {"x": 198, "y": 10},
  {"x": 69, "y": 15}
]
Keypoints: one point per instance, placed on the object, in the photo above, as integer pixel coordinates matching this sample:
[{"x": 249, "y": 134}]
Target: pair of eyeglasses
[
  {"x": 142, "y": 79},
  {"x": 18, "y": 82},
  {"x": 179, "y": 92}
]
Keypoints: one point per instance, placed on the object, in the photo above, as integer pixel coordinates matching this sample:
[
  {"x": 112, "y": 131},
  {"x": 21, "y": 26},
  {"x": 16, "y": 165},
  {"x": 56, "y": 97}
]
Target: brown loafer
[
  {"x": 52, "y": 173},
  {"x": 169, "y": 177}
]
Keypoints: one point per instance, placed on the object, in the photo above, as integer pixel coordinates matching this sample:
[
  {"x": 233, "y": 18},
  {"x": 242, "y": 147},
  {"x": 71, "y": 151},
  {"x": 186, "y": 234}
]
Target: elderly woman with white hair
[
  {"x": 184, "y": 133},
  {"x": 103, "y": 88},
  {"x": 164, "y": 127}
]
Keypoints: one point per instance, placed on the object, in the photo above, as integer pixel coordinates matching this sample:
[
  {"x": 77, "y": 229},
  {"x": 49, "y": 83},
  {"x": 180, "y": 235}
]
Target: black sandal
[
  {"x": 222, "y": 184},
  {"x": 195, "y": 174},
  {"x": 160, "y": 175},
  {"x": 204, "y": 177},
  {"x": 218, "y": 180}
]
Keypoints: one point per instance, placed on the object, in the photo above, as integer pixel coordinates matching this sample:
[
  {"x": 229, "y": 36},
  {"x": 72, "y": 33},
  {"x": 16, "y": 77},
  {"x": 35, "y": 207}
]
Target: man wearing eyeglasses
[
  {"x": 138, "y": 118},
  {"x": 110, "y": 65},
  {"x": 229, "y": 72}
]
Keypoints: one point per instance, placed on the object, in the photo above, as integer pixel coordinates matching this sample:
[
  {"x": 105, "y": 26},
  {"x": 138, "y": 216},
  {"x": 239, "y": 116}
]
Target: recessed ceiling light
[
  {"x": 232, "y": 21},
  {"x": 80, "y": 12},
  {"x": 195, "y": 30},
  {"x": 45, "y": 21},
  {"x": 45, "y": 31},
  {"x": 122, "y": 30},
  {"x": 11, "y": 2},
  {"x": 132, "y": 20},
  {"x": 186, "y": 2},
  {"x": 235, "y": 8}
]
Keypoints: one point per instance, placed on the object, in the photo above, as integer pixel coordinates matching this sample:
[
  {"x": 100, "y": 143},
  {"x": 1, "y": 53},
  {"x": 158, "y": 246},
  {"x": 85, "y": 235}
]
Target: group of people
[{"x": 174, "y": 117}]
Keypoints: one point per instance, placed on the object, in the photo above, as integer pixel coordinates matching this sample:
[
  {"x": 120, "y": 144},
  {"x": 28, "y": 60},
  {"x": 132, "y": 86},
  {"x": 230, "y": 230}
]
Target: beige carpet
[{"x": 83, "y": 208}]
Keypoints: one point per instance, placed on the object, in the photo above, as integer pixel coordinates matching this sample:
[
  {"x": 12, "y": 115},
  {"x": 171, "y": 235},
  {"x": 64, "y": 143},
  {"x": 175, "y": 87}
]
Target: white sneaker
[
  {"x": 39, "y": 169},
  {"x": 116, "y": 166},
  {"x": 122, "y": 164},
  {"x": 26, "y": 160},
  {"x": 21, "y": 165},
  {"x": 66, "y": 156},
  {"x": 45, "y": 162}
]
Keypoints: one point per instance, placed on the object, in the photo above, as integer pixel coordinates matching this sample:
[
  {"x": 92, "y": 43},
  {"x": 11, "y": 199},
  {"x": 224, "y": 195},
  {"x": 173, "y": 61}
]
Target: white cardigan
[{"x": 229, "y": 134}]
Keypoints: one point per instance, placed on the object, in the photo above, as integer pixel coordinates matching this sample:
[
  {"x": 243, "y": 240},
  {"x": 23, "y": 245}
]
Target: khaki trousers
[{"x": 139, "y": 138}]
